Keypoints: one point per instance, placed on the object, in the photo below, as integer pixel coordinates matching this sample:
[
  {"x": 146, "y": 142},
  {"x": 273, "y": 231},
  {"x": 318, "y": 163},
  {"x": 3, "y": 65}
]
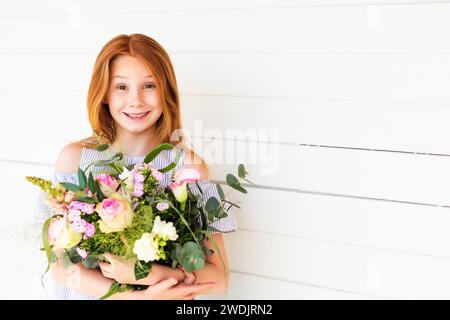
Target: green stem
[{"x": 182, "y": 206}]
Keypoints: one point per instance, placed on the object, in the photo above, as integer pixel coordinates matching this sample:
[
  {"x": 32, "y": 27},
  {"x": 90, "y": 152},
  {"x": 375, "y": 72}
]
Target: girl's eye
[
  {"x": 121, "y": 87},
  {"x": 149, "y": 86}
]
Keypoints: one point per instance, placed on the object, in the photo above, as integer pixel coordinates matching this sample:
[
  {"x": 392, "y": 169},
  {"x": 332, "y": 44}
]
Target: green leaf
[
  {"x": 216, "y": 248},
  {"x": 117, "y": 156},
  {"x": 171, "y": 165},
  {"x": 241, "y": 171},
  {"x": 66, "y": 259},
  {"x": 220, "y": 191},
  {"x": 148, "y": 218},
  {"x": 87, "y": 200},
  {"x": 70, "y": 186},
  {"x": 100, "y": 195},
  {"x": 116, "y": 288},
  {"x": 46, "y": 243},
  {"x": 73, "y": 256},
  {"x": 154, "y": 153},
  {"x": 80, "y": 194},
  {"x": 102, "y": 147},
  {"x": 232, "y": 204},
  {"x": 233, "y": 182},
  {"x": 213, "y": 208},
  {"x": 91, "y": 183},
  {"x": 142, "y": 269},
  {"x": 191, "y": 257},
  {"x": 82, "y": 179},
  {"x": 102, "y": 163},
  {"x": 91, "y": 262}
]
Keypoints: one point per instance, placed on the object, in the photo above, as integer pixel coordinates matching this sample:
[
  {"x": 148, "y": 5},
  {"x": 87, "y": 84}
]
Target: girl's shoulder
[
  {"x": 192, "y": 160},
  {"x": 69, "y": 157}
]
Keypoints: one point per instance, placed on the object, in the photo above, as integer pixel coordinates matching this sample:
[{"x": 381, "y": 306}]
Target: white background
[{"x": 359, "y": 94}]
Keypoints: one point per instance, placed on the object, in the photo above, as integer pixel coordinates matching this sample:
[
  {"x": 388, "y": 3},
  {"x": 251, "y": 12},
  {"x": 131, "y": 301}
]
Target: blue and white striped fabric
[{"x": 227, "y": 224}]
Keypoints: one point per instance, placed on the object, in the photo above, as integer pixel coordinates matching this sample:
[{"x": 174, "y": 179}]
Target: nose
[{"x": 135, "y": 99}]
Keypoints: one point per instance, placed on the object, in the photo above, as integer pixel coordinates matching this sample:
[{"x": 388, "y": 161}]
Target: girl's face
[{"x": 133, "y": 98}]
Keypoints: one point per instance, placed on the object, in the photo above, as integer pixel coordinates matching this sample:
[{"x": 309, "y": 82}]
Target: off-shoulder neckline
[{"x": 111, "y": 153}]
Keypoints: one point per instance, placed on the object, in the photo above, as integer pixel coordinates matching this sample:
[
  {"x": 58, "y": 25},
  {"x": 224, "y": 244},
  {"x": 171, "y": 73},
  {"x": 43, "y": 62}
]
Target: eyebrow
[{"x": 149, "y": 76}]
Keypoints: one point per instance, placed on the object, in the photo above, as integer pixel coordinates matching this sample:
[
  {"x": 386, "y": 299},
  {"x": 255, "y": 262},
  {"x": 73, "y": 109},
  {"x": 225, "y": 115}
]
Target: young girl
[{"x": 133, "y": 105}]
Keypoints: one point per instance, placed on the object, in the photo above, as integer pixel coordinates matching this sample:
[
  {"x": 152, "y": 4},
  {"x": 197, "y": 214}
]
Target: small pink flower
[
  {"x": 79, "y": 226},
  {"x": 90, "y": 230},
  {"x": 74, "y": 215},
  {"x": 88, "y": 208},
  {"x": 161, "y": 206},
  {"x": 82, "y": 253},
  {"x": 157, "y": 174}
]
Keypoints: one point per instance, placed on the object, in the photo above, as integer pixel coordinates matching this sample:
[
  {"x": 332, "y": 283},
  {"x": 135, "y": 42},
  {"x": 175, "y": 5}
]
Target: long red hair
[{"x": 157, "y": 60}]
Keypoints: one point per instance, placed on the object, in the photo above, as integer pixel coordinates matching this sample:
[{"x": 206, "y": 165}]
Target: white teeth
[{"x": 136, "y": 115}]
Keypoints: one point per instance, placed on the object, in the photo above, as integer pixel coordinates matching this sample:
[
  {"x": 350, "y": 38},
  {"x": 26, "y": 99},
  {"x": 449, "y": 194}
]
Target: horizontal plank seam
[
  {"x": 266, "y": 187},
  {"x": 237, "y": 9},
  {"x": 343, "y": 243},
  {"x": 307, "y": 284}
]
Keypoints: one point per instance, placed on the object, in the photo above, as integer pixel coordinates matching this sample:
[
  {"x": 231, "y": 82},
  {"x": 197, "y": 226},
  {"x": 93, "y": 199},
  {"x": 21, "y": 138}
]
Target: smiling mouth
[{"x": 137, "y": 116}]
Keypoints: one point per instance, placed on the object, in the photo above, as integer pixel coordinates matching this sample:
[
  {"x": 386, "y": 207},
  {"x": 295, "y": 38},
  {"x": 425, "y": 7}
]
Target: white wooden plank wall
[{"x": 345, "y": 102}]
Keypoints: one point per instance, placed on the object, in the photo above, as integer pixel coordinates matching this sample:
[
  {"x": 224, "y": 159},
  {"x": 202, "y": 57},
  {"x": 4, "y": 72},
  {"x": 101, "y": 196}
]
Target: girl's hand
[
  {"x": 122, "y": 271},
  {"x": 119, "y": 269},
  {"x": 169, "y": 290}
]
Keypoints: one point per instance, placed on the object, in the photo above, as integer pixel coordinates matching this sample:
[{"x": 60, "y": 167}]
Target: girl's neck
[{"x": 134, "y": 144}]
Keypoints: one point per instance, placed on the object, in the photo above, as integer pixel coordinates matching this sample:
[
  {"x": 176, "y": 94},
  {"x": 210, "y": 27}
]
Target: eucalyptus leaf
[
  {"x": 191, "y": 257},
  {"x": 241, "y": 171},
  {"x": 213, "y": 208},
  {"x": 66, "y": 259},
  {"x": 91, "y": 262},
  {"x": 233, "y": 182},
  {"x": 220, "y": 191},
  {"x": 73, "y": 256}
]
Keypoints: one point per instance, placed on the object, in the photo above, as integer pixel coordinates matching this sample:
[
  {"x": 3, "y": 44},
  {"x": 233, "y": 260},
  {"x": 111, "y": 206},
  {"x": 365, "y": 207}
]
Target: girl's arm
[
  {"x": 214, "y": 270},
  {"x": 122, "y": 270},
  {"x": 77, "y": 277}
]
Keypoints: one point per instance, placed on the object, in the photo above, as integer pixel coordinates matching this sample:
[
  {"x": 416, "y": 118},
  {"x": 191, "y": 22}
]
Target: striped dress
[{"x": 88, "y": 155}]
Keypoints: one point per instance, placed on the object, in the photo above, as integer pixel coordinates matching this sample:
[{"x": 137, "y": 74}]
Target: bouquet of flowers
[{"x": 125, "y": 211}]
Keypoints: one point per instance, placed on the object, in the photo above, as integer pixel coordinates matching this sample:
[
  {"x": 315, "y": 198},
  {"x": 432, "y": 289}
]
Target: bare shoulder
[
  {"x": 69, "y": 157},
  {"x": 192, "y": 160}
]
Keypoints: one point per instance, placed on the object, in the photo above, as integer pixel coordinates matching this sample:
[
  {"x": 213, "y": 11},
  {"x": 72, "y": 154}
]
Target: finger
[
  {"x": 107, "y": 274},
  {"x": 108, "y": 256},
  {"x": 105, "y": 266},
  {"x": 163, "y": 285},
  {"x": 194, "y": 288},
  {"x": 190, "y": 277},
  {"x": 189, "y": 297}
]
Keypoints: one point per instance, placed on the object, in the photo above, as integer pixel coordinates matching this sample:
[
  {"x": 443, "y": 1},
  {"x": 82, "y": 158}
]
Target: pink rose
[
  {"x": 107, "y": 184},
  {"x": 116, "y": 213},
  {"x": 61, "y": 234}
]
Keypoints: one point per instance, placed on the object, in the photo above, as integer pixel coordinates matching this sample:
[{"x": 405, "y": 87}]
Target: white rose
[
  {"x": 146, "y": 248},
  {"x": 165, "y": 230}
]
